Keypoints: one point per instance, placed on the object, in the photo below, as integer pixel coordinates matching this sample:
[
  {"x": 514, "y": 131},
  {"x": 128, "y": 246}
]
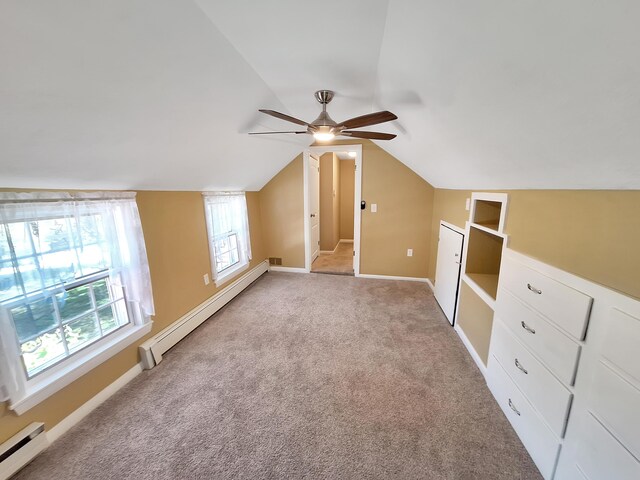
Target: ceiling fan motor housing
[{"x": 324, "y": 96}]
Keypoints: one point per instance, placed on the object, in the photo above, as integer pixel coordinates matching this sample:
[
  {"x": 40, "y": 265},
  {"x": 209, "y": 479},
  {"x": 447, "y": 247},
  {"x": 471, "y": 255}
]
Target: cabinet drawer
[
  {"x": 555, "y": 349},
  {"x": 563, "y": 305},
  {"x": 549, "y": 397},
  {"x": 601, "y": 457},
  {"x": 540, "y": 442},
  {"x": 615, "y": 402}
]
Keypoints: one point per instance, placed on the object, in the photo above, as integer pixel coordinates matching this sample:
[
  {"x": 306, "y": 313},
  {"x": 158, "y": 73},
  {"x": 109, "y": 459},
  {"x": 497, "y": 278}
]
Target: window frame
[
  {"x": 243, "y": 245},
  {"x": 24, "y": 390},
  {"x": 52, "y": 293}
]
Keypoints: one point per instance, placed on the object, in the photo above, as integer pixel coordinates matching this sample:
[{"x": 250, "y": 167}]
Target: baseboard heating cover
[
  {"x": 20, "y": 449},
  {"x": 152, "y": 350}
]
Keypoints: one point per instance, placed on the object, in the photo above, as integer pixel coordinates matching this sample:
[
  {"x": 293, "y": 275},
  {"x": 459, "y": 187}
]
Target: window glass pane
[
  {"x": 9, "y": 286},
  {"x": 223, "y": 261},
  {"x": 29, "y": 277},
  {"x": 5, "y": 251},
  {"x": 20, "y": 235},
  {"x": 235, "y": 258},
  {"x": 233, "y": 241},
  {"x": 57, "y": 268},
  {"x": 42, "y": 351},
  {"x": 74, "y": 302},
  {"x": 92, "y": 259},
  {"x": 108, "y": 320},
  {"x": 101, "y": 292},
  {"x": 91, "y": 229},
  {"x": 33, "y": 318},
  {"x": 52, "y": 235},
  {"x": 81, "y": 331}
]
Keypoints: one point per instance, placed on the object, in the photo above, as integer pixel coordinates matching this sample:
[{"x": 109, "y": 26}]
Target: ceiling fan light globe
[{"x": 323, "y": 136}]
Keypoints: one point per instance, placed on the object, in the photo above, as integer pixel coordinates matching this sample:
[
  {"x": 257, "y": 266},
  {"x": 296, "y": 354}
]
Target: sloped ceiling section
[{"x": 160, "y": 95}]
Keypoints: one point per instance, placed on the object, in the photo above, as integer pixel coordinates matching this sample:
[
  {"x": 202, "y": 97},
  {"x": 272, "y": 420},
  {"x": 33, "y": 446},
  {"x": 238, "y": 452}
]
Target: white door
[
  {"x": 314, "y": 205},
  {"x": 448, "y": 270}
]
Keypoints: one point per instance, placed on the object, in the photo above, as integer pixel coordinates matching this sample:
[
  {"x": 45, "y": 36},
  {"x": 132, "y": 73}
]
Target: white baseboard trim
[
  {"x": 330, "y": 252},
  {"x": 152, "y": 350},
  {"x": 85, "y": 409},
  {"x": 287, "y": 269},
  {"x": 392, "y": 277},
  {"x": 472, "y": 351},
  {"x": 431, "y": 285},
  {"x": 346, "y": 240}
]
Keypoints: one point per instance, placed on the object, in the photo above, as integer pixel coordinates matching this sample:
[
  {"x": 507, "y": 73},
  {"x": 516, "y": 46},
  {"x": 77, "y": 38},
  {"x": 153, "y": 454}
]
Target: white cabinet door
[{"x": 448, "y": 270}]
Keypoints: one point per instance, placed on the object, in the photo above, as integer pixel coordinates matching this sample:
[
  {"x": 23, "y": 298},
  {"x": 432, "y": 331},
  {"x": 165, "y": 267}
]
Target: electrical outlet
[
  {"x": 374, "y": 207},
  {"x": 468, "y": 204},
  {"x": 205, "y": 277},
  {"x": 409, "y": 252}
]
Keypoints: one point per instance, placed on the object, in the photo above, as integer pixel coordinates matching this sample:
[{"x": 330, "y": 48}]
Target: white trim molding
[
  {"x": 273, "y": 268},
  {"x": 319, "y": 150},
  {"x": 86, "y": 408},
  {"x": 393, "y": 277},
  {"x": 431, "y": 285},
  {"x": 453, "y": 227}
]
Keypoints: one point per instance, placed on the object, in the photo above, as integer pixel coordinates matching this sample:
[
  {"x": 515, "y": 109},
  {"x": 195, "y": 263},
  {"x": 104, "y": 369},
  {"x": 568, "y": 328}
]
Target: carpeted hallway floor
[
  {"x": 303, "y": 376},
  {"x": 339, "y": 262}
]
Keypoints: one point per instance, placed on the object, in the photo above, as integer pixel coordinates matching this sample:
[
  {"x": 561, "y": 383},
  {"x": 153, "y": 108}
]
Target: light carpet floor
[
  {"x": 302, "y": 377},
  {"x": 339, "y": 262}
]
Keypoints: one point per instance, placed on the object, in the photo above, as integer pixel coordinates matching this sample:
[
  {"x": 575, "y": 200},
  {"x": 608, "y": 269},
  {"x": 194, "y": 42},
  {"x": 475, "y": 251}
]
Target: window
[
  {"x": 228, "y": 229},
  {"x": 73, "y": 279}
]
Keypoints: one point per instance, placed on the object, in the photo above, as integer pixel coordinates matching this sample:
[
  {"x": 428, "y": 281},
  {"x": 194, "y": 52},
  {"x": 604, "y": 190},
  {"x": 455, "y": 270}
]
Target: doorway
[{"x": 332, "y": 209}]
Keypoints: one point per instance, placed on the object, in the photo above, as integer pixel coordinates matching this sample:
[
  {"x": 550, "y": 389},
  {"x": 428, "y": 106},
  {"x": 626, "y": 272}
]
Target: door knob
[{"x": 313, "y": 215}]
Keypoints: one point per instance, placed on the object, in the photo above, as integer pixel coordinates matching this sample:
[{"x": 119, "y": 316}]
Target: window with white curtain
[
  {"x": 228, "y": 230},
  {"x": 74, "y": 286}
]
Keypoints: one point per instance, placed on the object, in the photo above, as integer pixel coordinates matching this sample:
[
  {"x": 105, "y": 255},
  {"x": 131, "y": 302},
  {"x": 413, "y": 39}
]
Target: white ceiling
[{"x": 159, "y": 95}]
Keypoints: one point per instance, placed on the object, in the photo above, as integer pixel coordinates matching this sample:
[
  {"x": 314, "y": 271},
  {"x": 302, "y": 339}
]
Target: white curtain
[
  {"x": 110, "y": 216},
  {"x": 227, "y": 212}
]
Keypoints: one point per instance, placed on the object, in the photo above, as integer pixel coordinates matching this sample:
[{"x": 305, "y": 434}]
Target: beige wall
[
  {"x": 403, "y": 220},
  {"x": 405, "y": 206},
  {"x": 282, "y": 210},
  {"x": 177, "y": 248},
  {"x": 335, "y": 204},
  {"x": 329, "y": 201},
  {"x": 347, "y": 184},
  {"x": 592, "y": 234}
]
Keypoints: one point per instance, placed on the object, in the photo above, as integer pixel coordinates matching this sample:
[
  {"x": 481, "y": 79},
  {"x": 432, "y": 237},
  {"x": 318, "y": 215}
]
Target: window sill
[
  {"x": 229, "y": 275},
  {"x": 37, "y": 391}
]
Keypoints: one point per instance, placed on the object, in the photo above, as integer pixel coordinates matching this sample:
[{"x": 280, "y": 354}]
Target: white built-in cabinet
[{"x": 560, "y": 354}]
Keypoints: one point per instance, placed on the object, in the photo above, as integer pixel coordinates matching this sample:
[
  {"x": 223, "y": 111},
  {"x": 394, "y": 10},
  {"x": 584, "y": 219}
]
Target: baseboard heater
[
  {"x": 20, "y": 449},
  {"x": 152, "y": 350}
]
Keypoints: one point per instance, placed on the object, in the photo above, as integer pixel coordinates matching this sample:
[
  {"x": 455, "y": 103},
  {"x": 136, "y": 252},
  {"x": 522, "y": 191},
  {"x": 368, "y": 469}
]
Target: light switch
[
  {"x": 205, "y": 277},
  {"x": 374, "y": 207},
  {"x": 409, "y": 252},
  {"x": 468, "y": 204}
]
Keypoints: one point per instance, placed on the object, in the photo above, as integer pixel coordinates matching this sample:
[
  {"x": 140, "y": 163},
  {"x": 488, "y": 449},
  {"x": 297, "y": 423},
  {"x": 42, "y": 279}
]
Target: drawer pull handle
[
  {"x": 534, "y": 289},
  {"x": 513, "y": 407},
  {"x": 527, "y": 327},
  {"x": 522, "y": 369}
]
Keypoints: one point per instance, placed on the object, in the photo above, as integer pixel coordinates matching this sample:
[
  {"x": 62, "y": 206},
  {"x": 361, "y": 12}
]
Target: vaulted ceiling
[{"x": 145, "y": 94}]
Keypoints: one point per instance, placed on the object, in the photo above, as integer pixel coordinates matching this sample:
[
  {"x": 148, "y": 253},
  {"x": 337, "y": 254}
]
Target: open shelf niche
[
  {"x": 489, "y": 210},
  {"x": 484, "y": 254},
  {"x": 485, "y": 242}
]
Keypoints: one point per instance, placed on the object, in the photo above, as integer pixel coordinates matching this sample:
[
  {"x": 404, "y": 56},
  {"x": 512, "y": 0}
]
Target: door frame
[{"x": 319, "y": 150}]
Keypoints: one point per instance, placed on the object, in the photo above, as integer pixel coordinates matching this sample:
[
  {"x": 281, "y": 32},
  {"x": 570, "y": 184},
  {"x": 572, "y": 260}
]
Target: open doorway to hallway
[{"x": 336, "y": 207}]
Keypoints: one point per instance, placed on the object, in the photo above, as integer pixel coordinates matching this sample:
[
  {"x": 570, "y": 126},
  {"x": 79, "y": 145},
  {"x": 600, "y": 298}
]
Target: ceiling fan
[{"x": 324, "y": 128}]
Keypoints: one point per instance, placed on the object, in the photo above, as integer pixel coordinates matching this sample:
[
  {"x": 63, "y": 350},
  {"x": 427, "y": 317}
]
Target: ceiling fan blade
[
  {"x": 371, "y": 135},
  {"x": 369, "y": 119},
  {"x": 283, "y": 116},
  {"x": 271, "y": 133}
]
